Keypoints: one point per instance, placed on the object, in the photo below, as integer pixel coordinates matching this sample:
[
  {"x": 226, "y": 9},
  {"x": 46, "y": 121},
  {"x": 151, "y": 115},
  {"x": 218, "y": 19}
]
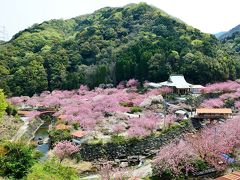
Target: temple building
[{"x": 179, "y": 85}]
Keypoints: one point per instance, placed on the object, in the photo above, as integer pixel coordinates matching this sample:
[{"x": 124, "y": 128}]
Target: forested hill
[
  {"x": 108, "y": 46},
  {"x": 230, "y": 32}
]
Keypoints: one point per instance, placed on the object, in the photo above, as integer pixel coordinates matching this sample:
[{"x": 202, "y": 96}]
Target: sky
[{"x": 210, "y": 16}]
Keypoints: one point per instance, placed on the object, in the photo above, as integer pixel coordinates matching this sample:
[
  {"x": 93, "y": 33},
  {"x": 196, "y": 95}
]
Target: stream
[{"x": 42, "y": 139}]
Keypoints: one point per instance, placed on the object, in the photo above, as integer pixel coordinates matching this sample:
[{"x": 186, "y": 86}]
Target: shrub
[
  {"x": 59, "y": 135},
  {"x": 3, "y": 103},
  {"x": 11, "y": 110},
  {"x": 135, "y": 109},
  {"x": 118, "y": 139},
  {"x": 52, "y": 169},
  {"x": 200, "y": 165},
  {"x": 173, "y": 127},
  {"x": 126, "y": 104}
]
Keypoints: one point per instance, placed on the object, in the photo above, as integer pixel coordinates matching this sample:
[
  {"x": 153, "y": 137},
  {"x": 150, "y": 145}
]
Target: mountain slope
[
  {"x": 232, "y": 43},
  {"x": 230, "y": 32},
  {"x": 108, "y": 46},
  {"x": 219, "y": 34}
]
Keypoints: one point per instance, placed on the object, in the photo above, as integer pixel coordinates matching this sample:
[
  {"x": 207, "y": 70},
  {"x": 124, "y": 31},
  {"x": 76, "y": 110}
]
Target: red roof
[
  {"x": 62, "y": 127},
  {"x": 232, "y": 176},
  {"x": 23, "y": 113},
  {"x": 79, "y": 134},
  {"x": 214, "y": 110},
  {"x": 62, "y": 117}
]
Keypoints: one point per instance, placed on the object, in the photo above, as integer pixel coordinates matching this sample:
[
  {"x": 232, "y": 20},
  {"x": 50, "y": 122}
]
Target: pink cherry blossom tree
[
  {"x": 119, "y": 128},
  {"x": 212, "y": 142},
  {"x": 175, "y": 157},
  {"x": 213, "y": 103},
  {"x": 65, "y": 149},
  {"x": 237, "y": 104},
  {"x": 132, "y": 83},
  {"x": 228, "y": 86},
  {"x": 33, "y": 114}
]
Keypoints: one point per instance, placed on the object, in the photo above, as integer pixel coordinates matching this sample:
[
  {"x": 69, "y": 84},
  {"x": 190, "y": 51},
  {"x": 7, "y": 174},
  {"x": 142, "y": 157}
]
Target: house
[
  {"x": 179, "y": 85},
  {"x": 62, "y": 127},
  {"x": 232, "y": 176},
  {"x": 196, "y": 89},
  {"x": 79, "y": 136},
  {"x": 62, "y": 117},
  {"x": 213, "y": 113},
  {"x": 24, "y": 113}
]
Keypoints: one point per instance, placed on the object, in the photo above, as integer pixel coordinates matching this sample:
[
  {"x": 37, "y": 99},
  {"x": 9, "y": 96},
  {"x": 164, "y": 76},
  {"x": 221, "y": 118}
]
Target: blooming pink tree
[
  {"x": 175, "y": 157},
  {"x": 119, "y": 128},
  {"x": 166, "y": 90},
  {"x": 212, "y": 142},
  {"x": 213, "y": 103},
  {"x": 237, "y": 104},
  {"x": 138, "y": 132},
  {"x": 65, "y": 149},
  {"x": 169, "y": 120},
  {"x": 228, "y": 86},
  {"x": 144, "y": 125},
  {"x": 33, "y": 114},
  {"x": 132, "y": 83}
]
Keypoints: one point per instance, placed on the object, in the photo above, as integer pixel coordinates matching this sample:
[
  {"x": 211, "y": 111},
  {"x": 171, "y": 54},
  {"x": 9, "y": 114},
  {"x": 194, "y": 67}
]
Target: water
[{"x": 42, "y": 139}]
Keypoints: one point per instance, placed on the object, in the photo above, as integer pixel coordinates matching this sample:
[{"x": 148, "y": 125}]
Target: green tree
[
  {"x": 3, "y": 103},
  {"x": 16, "y": 159},
  {"x": 30, "y": 79}
]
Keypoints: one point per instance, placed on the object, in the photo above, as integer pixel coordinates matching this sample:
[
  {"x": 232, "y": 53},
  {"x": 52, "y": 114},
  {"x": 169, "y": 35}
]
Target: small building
[
  {"x": 62, "y": 117},
  {"x": 179, "y": 85},
  {"x": 213, "y": 113},
  {"x": 62, "y": 127},
  {"x": 196, "y": 89},
  {"x": 79, "y": 136},
  {"x": 232, "y": 176},
  {"x": 24, "y": 113}
]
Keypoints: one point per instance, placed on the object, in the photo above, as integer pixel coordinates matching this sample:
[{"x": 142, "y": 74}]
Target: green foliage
[
  {"x": 200, "y": 165},
  {"x": 16, "y": 159},
  {"x": 232, "y": 42},
  {"x": 111, "y": 45},
  {"x": 3, "y": 103},
  {"x": 229, "y": 103},
  {"x": 96, "y": 142},
  {"x": 59, "y": 135},
  {"x": 51, "y": 169},
  {"x": 11, "y": 110},
  {"x": 126, "y": 104},
  {"x": 172, "y": 128},
  {"x": 118, "y": 139},
  {"x": 135, "y": 109}
]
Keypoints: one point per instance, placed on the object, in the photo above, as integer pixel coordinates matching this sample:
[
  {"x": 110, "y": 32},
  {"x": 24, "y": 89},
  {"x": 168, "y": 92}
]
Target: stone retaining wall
[{"x": 146, "y": 147}]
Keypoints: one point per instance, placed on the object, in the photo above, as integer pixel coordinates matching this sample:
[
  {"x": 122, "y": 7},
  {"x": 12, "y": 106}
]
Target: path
[{"x": 21, "y": 130}]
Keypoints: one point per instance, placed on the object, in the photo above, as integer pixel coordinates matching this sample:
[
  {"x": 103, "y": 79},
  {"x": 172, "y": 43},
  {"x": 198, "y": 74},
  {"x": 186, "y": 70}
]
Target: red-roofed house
[
  {"x": 62, "y": 127},
  {"x": 79, "y": 136}
]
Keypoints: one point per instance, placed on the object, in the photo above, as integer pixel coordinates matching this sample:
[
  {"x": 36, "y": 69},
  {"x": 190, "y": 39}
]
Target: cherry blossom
[
  {"x": 210, "y": 103},
  {"x": 176, "y": 156},
  {"x": 65, "y": 149},
  {"x": 132, "y": 83},
  {"x": 228, "y": 86}
]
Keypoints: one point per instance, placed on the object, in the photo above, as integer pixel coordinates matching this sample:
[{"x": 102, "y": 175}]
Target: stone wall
[{"x": 145, "y": 147}]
